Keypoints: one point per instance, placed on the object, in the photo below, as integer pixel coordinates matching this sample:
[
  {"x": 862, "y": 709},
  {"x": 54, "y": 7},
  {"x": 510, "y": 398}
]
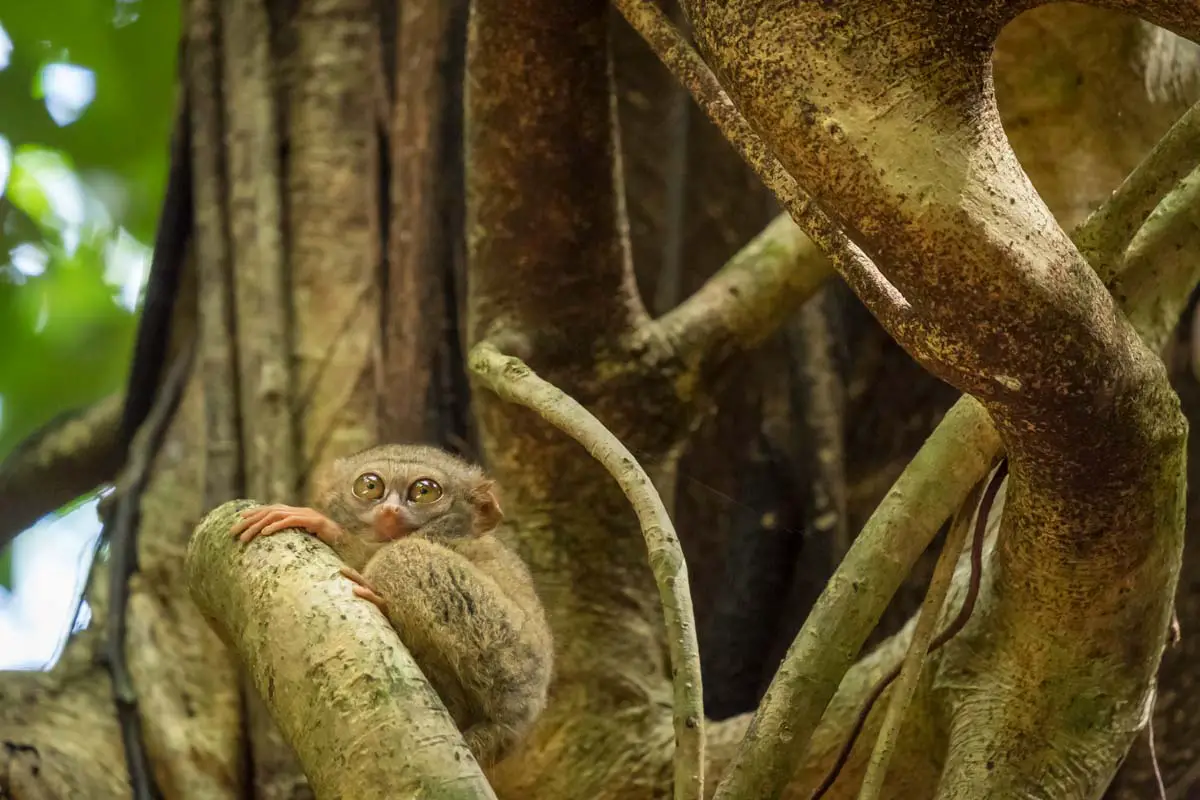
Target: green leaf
[{"x": 6, "y": 567}]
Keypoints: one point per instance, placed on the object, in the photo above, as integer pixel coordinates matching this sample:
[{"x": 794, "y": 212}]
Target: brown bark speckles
[
  {"x": 916, "y": 164},
  {"x": 539, "y": 129}
]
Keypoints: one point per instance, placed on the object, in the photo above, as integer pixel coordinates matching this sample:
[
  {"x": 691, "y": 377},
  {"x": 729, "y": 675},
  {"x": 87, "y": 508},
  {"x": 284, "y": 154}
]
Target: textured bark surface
[
  {"x": 1177, "y": 707},
  {"x": 329, "y": 666},
  {"x": 1042, "y": 349},
  {"x": 70, "y": 456},
  {"x": 296, "y": 194}
]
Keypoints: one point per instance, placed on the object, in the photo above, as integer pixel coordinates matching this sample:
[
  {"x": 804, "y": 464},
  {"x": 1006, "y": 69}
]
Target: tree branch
[
  {"x": 1104, "y": 235},
  {"x": 345, "y": 692},
  {"x": 516, "y": 382},
  {"x": 648, "y": 19},
  {"x": 780, "y": 268},
  {"x": 1181, "y": 17},
  {"x": 1160, "y": 277},
  {"x": 1160, "y": 268},
  {"x": 68, "y": 457},
  {"x": 121, "y": 530},
  {"x": 919, "y": 645},
  {"x": 750, "y": 297},
  {"x": 880, "y": 558},
  {"x": 1024, "y": 328}
]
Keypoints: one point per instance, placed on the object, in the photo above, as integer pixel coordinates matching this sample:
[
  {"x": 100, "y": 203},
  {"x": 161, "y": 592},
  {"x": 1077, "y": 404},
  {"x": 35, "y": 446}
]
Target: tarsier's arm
[
  {"x": 488, "y": 656},
  {"x": 354, "y": 551},
  {"x": 268, "y": 520}
]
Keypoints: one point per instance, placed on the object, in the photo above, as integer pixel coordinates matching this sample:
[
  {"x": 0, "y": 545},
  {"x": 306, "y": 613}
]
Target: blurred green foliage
[{"x": 82, "y": 174}]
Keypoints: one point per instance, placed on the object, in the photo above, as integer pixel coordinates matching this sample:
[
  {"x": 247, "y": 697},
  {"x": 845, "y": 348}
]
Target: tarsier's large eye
[
  {"x": 368, "y": 486},
  {"x": 425, "y": 490}
]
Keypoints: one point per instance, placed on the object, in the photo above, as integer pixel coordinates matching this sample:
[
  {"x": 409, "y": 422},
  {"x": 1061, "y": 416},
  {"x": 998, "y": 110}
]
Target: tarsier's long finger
[
  {"x": 285, "y": 522},
  {"x": 354, "y": 575},
  {"x": 248, "y": 518},
  {"x": 257, "y": 528},
  {"x": 256, "y": 514}
]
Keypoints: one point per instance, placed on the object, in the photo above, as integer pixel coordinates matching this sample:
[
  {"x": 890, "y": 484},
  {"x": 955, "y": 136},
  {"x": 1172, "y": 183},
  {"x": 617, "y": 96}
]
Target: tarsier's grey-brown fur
[{"x": 461, "y": 601}]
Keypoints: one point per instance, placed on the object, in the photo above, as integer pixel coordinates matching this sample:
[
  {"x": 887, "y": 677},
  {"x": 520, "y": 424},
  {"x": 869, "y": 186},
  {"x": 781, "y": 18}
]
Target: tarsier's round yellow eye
[
  {"x": 425, "y": 490},
  {"x": 368, "y": 486}
]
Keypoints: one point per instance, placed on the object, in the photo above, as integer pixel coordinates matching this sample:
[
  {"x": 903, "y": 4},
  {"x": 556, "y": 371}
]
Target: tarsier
[{"x": 413, "y": 526}]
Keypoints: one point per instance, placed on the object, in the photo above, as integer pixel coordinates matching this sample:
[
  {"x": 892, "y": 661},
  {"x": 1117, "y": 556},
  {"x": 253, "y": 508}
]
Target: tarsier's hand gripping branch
[{"x": 418, "y": 523}]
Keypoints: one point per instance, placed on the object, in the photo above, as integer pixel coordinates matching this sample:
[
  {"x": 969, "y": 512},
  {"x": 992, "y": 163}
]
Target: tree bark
[{"x": 551, "y": 281}]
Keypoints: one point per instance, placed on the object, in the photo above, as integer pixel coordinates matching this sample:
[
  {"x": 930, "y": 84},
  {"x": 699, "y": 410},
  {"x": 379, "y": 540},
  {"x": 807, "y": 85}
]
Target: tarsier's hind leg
[{"x": 466, "y": 634}]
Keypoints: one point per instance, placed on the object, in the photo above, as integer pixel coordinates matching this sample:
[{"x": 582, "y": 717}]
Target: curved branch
[
  {"x": 71, "y": 455},
  {"x": 853, "y": 600},
  {"x": 1161, "y": 267},
  {"x": 652, "y": 24},
  {"x": 1181, "y": 17},
  {"x": 1022, "y": 326},
  {"x": 1104, "y": 235},
  {"x": 1159, "y": 279},
  {"x": 923, "y": 635},
  {"x": 750, "y": 297},
  {"x": 517, "y": 383},
  {"x": 345, "y": 692}
]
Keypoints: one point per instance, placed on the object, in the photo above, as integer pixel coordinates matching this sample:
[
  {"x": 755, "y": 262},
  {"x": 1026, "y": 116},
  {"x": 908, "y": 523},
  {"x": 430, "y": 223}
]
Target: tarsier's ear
[{"x": 487, "y": 507}]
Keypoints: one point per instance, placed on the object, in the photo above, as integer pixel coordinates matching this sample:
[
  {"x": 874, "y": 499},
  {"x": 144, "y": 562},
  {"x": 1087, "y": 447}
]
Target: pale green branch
[{"x": 513, "y": 380}]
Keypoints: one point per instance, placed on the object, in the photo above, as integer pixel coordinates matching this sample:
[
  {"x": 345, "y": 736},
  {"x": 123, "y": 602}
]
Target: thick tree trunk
[{"x": 307, "y": 227}]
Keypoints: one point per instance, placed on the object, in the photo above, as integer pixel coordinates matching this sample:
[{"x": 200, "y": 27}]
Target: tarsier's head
[{"x": 392, "y": 491}]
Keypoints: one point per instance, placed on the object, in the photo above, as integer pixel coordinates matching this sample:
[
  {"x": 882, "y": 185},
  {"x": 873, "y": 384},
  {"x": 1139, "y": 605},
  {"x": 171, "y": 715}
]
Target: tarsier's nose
[{"x": 390, "y": 521}]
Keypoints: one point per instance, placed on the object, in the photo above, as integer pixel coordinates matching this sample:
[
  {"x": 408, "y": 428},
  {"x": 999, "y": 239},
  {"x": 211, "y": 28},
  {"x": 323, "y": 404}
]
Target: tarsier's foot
[
  {"x": 363, "y": 589},
  {"x": 268, "y": 520}
]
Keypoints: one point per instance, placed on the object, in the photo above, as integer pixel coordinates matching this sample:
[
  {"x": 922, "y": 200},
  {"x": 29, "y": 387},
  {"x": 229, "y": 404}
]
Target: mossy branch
[
  {"x": 514, "y": 381},
  {"x": 1104, "y": 235},
  {"x": 71, "y": 455},
  {"x": 954, "y": 458},
  {"x": 800, "y": 683},
  {"x": 919, "y": 645},
  {"x": 1160, "y": 267},
  {"x": 861, "y": 588},
  {"x": 750, "y": 297},
  {"x": 343, "y": 690}
]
